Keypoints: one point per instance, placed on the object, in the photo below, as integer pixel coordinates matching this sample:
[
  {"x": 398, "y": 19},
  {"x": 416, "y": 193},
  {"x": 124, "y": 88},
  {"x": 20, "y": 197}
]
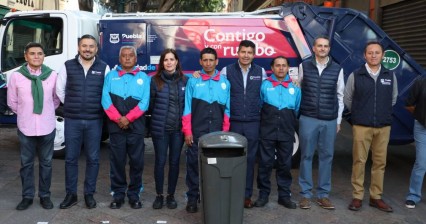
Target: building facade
[{"x": 28, "y": 5}]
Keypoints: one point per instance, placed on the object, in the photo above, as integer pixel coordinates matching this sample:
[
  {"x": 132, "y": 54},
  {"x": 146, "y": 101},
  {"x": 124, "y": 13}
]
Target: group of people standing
[{"x": 240, "y": 98}]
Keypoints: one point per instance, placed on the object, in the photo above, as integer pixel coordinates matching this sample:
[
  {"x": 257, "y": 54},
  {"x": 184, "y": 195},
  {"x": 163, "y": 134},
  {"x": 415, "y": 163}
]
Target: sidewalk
[
  {"x": 272, "y": 213},
  {"x": 10, "y": 187}
]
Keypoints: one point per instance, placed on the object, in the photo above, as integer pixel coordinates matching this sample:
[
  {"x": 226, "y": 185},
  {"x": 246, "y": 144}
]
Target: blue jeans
[
  {"x": 172, "y": 143},
  {"x": 419, "y": 169},
  {"x": 43, "y": 147},
  {"x": 250, "y": 130},
  {"x": 320, "y": 135},
  {"x": 125, "y": 144},
  {"x": 78, "y": 133},
  {"x": 266, "y": 163}
]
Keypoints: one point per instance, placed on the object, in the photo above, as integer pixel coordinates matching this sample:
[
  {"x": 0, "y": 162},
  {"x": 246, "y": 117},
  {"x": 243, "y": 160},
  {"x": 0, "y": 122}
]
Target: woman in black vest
[{"x": 166, "y": 106}]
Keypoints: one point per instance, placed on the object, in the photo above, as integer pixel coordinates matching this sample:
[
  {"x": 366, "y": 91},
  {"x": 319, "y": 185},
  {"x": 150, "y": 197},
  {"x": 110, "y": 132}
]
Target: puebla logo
[{"x": 114, "y": 38}]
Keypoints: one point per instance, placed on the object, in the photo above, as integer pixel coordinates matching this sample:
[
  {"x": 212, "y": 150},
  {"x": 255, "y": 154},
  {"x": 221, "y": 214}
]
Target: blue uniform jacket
[
  {"x": 206, "y": 105},
  {"x": 126, "y": 94},
  {"x": 280, "y": 107}
]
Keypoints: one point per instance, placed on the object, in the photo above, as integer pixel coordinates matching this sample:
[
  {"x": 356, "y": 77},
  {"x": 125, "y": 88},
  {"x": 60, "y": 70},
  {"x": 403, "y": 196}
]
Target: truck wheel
[
  {"x": 59, "y": 142},
  {"x": 295, "y": 158}
]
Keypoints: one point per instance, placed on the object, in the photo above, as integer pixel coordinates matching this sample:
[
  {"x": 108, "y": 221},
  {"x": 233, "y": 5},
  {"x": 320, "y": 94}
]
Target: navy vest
[
  {"x": 160, "y": 106},
  {"x": 245, "y": 106},
  {"x": 319, "y": 93},
  {"x": 372, "y": 101},
  {"x": 83, "y": 94}
]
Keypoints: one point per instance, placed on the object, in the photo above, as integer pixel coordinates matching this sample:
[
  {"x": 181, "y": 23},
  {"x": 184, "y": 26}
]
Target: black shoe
[
  {"x": 46, "y": 203},
  {"x": 171, "y": 202},
  {"x": 191, "y": 207},
  {"x": 69, "y": 201},
  {"x": 261, "y": 201},
  {"x": 158, "y": 203},
  {"x": 24, "y": 204},
  {"x": 117, "y": 203},
  {"x": 90, "y": 201},
  {"x": 287, "y": 202},
  {"x": 136, "y": 204},
  {"x": 410, "y": 204}
]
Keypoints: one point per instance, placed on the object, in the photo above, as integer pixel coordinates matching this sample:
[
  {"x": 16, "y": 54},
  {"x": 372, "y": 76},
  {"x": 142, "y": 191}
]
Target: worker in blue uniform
[
  {"x": 125, "y": 98},
  {"x": 280, "y": 107},
  {"x": 206, "y": 110}
]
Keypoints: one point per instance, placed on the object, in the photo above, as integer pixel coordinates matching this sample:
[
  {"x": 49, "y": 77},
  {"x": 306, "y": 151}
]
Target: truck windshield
[{"x": 46, "y": 31}]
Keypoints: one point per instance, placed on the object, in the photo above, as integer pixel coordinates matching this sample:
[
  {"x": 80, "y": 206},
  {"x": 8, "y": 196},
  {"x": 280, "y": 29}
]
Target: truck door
[{"x": 18, "y": 32}]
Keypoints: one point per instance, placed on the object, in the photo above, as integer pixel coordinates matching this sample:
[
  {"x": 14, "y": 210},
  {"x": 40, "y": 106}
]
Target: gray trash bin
[{"x": 223, "y": 167}]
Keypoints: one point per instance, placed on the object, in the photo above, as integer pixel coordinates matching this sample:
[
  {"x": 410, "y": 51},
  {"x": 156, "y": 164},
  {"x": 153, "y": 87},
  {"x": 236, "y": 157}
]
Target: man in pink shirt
[{"x": 31, "y": 95}]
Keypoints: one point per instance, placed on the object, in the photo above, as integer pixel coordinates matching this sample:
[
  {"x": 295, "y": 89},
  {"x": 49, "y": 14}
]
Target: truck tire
[
  {"x": 59, "y": 142},
  {"x": 295, "y": 158}
]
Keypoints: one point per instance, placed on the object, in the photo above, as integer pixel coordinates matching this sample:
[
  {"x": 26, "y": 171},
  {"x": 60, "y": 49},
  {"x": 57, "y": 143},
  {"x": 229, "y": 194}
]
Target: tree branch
[{"x": 166, "y": 5}]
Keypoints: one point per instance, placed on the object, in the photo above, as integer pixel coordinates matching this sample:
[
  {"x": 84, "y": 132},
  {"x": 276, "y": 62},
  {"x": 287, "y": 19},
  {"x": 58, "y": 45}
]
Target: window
[{"x": 19, "y": 32}]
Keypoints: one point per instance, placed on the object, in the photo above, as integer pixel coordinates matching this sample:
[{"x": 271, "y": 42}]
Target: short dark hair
[
  {"x": 208, "y": 50},
  {"x": 273, "y": 60},
  {"x": 374, "y": 42},
  {"x": 247, "y": 43},
  {"x": 86, "y": 36},
  {"x": 31, "y": 45},
  {"x": 321, "y": 37}
]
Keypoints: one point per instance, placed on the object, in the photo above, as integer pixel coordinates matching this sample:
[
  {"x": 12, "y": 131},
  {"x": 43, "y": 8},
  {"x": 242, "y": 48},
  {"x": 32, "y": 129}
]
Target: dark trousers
[
  {"x": 30, "y": 146},
  {"x": 170, "y": 143},
  {"x": 192, "y": 174},
  {"x": 3, "y": 100},
  {"x": 267, "y": 156},
  {"x": 77, "y": 133},
  {"x": 123, "y": 145},
  {"x": 250, "y": 130}
]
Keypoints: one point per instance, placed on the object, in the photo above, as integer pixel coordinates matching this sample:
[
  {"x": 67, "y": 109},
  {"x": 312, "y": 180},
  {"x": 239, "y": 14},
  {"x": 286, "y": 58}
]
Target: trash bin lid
[{"x": 222, "y": 139}]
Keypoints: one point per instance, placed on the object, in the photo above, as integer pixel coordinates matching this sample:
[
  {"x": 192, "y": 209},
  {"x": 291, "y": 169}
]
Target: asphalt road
[{"x": 400, "y": 160}]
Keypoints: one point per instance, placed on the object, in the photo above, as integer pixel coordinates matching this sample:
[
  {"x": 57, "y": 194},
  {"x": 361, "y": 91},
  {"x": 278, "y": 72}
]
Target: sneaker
[
  {"x": 305, "y": 203},
  {"x": 158, "y": 203},
  {"x": 171, "y": 202},
  {"x": 410, "y": 204},
  {"x": 325, "y": 203},
  {"x": 135, "y": 204}
]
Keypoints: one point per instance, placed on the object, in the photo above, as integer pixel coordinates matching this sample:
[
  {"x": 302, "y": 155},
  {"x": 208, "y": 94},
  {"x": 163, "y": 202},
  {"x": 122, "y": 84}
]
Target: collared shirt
[
  {"x": 370, "y": 71},
  {"x": 245, "y": 73},
  {"x": 20, "y": 101},
  {"x": 340, "y": 86},
  {"x": 62, "y": 78}
]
